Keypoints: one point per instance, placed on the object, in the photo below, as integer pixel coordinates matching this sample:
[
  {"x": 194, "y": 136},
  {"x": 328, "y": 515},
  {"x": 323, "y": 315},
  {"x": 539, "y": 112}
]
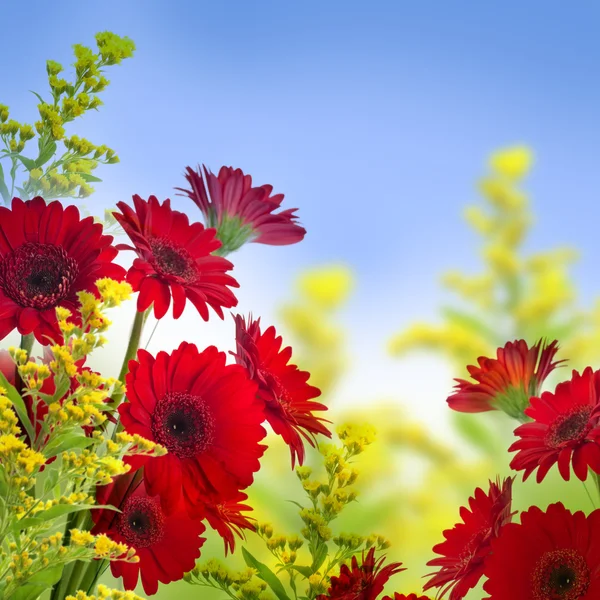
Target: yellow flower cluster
[
  {"x": 19, "y": 461},
  {"x": 105, "y": 593},
  {"x": 238, "y": 584},
  {"x": 103, "y": 546},
  {"x": 53, "y": 172},
  {"x": 356, "y": 438},
  {"x": 319, "y": 342}
]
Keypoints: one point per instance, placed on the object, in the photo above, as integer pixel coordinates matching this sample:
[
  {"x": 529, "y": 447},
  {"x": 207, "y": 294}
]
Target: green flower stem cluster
[
  {"x": 62, "y": 165},
  {"x": 304, "y": 562},
  {"x": 51, "y": 460}
]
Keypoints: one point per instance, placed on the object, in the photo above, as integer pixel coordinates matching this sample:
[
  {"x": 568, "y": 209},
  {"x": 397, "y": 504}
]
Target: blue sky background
[{"x": 373, "y": 118}]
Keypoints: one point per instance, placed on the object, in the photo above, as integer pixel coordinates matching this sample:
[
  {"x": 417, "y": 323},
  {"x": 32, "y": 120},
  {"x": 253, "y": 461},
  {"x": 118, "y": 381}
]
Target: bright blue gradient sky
[{"x": 375, "y": 118}]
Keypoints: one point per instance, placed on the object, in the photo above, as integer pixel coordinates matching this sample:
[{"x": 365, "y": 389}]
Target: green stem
[
  {"x": 597, "y": 481},
  {"x": 27, "y": 343},
  {"x": 132, "y": 348}
]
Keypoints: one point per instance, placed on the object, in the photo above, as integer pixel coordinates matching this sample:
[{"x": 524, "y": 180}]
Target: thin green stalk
[
  {"x": 132, "y": 348},
  {"x": 597, "y": 481},
  {"x": 27, "y": 342}
]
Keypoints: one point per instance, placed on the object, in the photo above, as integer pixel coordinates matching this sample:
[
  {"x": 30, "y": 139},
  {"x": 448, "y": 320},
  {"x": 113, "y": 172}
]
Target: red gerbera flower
[
  {"x": 506, "y": 382},
  {"x": 282, "y": 386},
  {"x": 565, "y": 429},
  {"x": 226, "y": 518},
  {"x": 174, "y": 259},
  {"x": 467, "y": 544},
  {"x": 361, "y": 582},
  {"x": 549, "y": 555},
  {"x": 240, "y": 212},
  {"x": 168, "y": 545},
  {"x": 47, "y": 255},
  {"x": 205, "y": 413},
  {"x": 398, "y": 596}
]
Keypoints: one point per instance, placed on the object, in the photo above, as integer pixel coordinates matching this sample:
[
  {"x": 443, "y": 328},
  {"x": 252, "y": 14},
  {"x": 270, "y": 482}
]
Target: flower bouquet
[{"x": 133, "y": 473}]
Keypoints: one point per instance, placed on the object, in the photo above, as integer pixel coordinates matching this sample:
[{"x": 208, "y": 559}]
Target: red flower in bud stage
[
  {"x": 506, "y": 382},
  {"x": 398, "y": 596},
  {"x": 205, "y": 413},
  {"x": 174, "y": 259},
  {"x": 361, "y": 582},
  {"x": 226, "y": 518},
  {"x": 167, "y": 545},
  {"x": 552, "y": 555},
  {"x": 241, "y": 212},
  {"x": 565, "y": 430},
  {"x": 47, "y": 255},
  {"x": 467, "y": 544},
  {"x": 282, "y": 386}
]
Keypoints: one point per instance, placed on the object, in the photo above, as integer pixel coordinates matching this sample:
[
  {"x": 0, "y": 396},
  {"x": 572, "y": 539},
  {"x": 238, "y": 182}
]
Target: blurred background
[{"x": 383, "y": 122}]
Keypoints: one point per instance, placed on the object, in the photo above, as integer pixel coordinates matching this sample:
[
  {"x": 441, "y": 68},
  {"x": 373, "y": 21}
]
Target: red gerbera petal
[
  {"x": 168, "y": 545},
  {"x": 47, "y": 255},
  {"x": 226, "y": 518},
  {"x": 361, "y": 582},
  {"x": 241, "y": 212},
  {"x": 174, "y": 259},
  {"x": 565, "y": 429},
  {"x": 552, "y": 554},
  {"x": 467, "y": 544},
  {"x": 282, "y": 386},
  {"x": 506, "y": 382},
  {"x": 207, "y": 415}
]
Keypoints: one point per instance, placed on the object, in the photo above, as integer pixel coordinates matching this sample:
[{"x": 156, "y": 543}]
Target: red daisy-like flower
[
  {"x": 565, "y": 429},
  {"x": 226, "y": 518},
  {"x": 398, "y": 596},
  {"x": 174, "y": 260},
  {"x": 552, "y": 555},
  {"x": 507, "y": 381},
  {"x": 240, "y": 212},
  {"x": 205, "y": 413},
  {"x": 361, "y": 582},
  {"x": 167, "y": 545},
  {"x": 47, "y": 255},
  {"x": 467, "y": 544},
  {"x": 282, "y": 386}
]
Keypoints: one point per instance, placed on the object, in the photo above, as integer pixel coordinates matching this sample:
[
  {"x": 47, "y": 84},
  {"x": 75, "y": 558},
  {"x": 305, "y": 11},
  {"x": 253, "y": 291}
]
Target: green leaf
[
  {"x": 68, "y": 441},
  {"x": 306, "y": 571},
  {"x": 266, "y": 575},
  {"x": 46, "y": 154},
  {"x": 19, "y": 406},
  {"x": 320, "y": 557},
  {"x": 41, "y": 581},
  {"x": 3, "y": 189},
  {"x": 88, "y": 177},
  {"x": 27, "y": 162},
  {"x": 62, "y": 387},
  {"x": 38, "y": 96},
  {"x": 55, "y": 512},
  {"x": 60, "y": 510}
]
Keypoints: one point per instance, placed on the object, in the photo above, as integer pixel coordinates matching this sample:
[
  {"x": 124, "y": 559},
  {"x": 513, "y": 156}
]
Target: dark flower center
[
  {"x": 183, "y": 424},
  {"x": 37, "y": 275},
  {"x": 171, "y": 260},
  {"x": 561, "y": 575},
  {"x": 141, "y": 522},
  {"x": 571, "y": 427}
]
